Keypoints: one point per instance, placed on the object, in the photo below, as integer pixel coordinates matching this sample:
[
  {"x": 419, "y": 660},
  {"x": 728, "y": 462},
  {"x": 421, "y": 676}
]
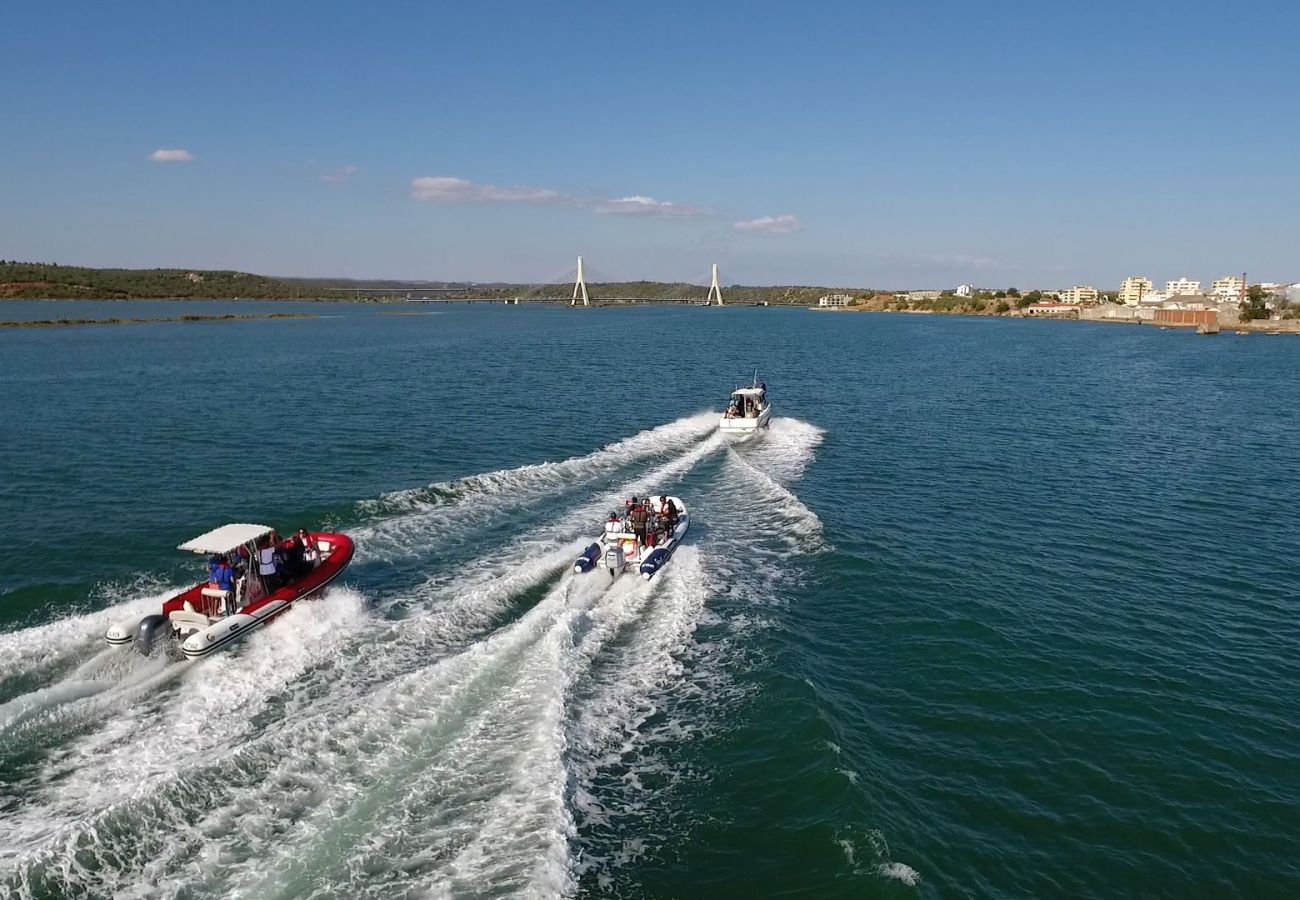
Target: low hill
[
  {"x": 41, "y": 281},
  {"x": 49, "y": 281}
]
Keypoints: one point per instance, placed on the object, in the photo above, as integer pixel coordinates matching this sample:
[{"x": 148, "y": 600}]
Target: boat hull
[{"x": 746, "y": 426}]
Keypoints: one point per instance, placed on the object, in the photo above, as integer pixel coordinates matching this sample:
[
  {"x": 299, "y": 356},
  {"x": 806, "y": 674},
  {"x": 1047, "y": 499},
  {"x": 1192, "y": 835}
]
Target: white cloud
[
  {"x": 649, "y": 207},
  {"x": 783, "y": 224},
  {"x": 339, "y": 175},
  {"x": 957, "y": 262},
  {"x": 444, "y": 189},
  {"x": 171, "y": 156}
]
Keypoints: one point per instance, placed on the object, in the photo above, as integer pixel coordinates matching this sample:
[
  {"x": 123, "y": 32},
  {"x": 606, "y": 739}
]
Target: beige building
[
  {"x": 1229, "y": 287},
  {"x": 1080, "y": 293},
  {"x": 1134, "y": 288},
  {"x": 1052, "y": 309},
  {"x": 1182, "y": 286}
]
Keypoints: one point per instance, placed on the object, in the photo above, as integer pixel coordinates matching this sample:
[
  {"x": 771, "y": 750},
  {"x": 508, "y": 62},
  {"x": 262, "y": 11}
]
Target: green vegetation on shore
[
  {"x": 41, "y": 281},
  {"x": 157, "y": 320}
]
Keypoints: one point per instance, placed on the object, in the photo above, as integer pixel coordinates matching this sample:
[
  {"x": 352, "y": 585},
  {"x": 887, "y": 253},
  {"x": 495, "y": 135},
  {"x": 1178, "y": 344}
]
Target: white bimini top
[{"x": 226, "y": 538}]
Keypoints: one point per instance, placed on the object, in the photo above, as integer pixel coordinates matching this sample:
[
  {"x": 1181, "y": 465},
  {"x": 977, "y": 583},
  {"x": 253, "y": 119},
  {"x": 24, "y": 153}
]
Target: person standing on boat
[
  {"x": 266, "y": 565},
  {"x": 638, "y": 520},
  {"x": 295, "y": 563}
]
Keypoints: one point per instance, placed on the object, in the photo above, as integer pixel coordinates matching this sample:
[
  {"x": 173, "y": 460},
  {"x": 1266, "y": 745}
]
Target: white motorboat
[
  {"x": 747, "y": 411},
  {"x": 627, "y": 543}
]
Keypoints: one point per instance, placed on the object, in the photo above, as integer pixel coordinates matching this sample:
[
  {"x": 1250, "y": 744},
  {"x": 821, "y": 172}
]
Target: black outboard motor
[
  {"x": 654, "y": 561},
  {"x": 587, "y": 561},
  {"x": 148, "y": 632}
]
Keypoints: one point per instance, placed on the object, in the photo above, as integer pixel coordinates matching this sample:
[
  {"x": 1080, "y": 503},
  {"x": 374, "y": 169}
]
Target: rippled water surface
[{"x": 994, "y": 609}]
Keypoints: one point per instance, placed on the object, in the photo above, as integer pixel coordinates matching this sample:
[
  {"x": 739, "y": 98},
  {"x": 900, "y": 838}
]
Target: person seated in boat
[
  {"x": 613, "y": 525},
  {"x": 732, "y": 410},
  {"x": 240, "y": 561},
  {"x": 268, "y": 566},
  {"x": 310, "y": 555},
  {"x": 668, "y": 514}
]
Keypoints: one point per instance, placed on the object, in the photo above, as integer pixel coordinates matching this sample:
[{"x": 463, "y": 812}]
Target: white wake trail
[
  {"x": 161, "y": 764},
  {"x": 478, "y": 499}
]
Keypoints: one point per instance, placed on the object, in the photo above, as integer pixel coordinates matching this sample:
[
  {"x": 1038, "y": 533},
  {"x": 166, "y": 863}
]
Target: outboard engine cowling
[
  {"x": 148, "y": 631},
  {"x": 587, "y": 561},
  {"x": 615, "y": 560},
  {"x": 654, "y": 561}
]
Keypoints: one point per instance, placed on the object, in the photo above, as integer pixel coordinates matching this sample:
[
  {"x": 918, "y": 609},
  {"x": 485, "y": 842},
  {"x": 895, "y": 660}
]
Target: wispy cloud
[
  {"x": 444, "y": 189},
  {"x": 948, "y": 261},
  {"x": 783, "y": 224},
  {"x": 339, "y": 175},
  {"x": 649, "y": 207},
  {"x": 171, "y": 156}
]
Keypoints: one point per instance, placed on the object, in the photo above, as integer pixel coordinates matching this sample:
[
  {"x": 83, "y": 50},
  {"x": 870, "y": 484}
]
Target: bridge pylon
[
  {"x": 715, "y": 290},
  {"x": 580, "y": 287}
]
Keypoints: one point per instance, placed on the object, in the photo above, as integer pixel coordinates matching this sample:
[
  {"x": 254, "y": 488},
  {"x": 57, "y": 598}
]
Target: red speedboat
[{"x": 217, "y": 613}]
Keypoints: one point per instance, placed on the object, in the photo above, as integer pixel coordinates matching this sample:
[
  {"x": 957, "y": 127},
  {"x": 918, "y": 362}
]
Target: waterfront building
[
  {"x": 1080, "y": 293},
  {"x": 1109, "y": 312},
  {"x": 1187, "y": 301},
  {"x": 835, "y": 300},
  {"x": 1229, "y": 287},
  {"x": 1134, "y": 288},
  {"x": 1059, "y": 310},
  {"x": 1183, "y": 285},
  {"x": 965, "y": 290}
]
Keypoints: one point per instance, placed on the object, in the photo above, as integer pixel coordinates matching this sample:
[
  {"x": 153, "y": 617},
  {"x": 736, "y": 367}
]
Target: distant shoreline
[
  {"x": 157, "y": 320},
  {"x": 1261, "y": 326}
]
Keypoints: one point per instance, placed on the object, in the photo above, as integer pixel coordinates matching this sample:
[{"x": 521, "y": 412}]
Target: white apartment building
[
  {"x": 1134, "y": 289},
  {"x": 835, "y": 300},
  {"x": 1229, "y": 287},
  {"x": 1182, "y": 286},
  {"x": 1080, "y": 293},
  {"x": 965, "y": 290}
]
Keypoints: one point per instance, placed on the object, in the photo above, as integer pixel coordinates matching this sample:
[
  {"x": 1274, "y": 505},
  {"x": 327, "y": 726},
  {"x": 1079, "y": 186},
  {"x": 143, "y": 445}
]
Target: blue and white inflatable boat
[{"x": 621, "y": 547}]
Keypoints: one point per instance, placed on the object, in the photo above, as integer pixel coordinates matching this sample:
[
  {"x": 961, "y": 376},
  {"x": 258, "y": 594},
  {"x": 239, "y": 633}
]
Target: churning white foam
[
  {"x": 458, "y": 749},
  {"x": 900, "y": 872},
  {"x": 477, "y": 499}
]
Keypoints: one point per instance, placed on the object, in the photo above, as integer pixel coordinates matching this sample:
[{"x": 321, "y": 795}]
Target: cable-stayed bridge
[{"x": 574, "y": 287}]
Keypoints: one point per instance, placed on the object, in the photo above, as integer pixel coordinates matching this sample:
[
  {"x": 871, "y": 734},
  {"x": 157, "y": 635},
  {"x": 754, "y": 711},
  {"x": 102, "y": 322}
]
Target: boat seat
[
  {"x": 215, "y": 594},
  {"x": 184, "y": 618}
]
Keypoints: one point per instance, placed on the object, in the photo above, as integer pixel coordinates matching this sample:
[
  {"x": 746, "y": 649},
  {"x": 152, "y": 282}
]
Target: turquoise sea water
[{"x": 994, "y": 609}]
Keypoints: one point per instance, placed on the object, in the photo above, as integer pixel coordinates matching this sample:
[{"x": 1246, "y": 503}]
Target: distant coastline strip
[{"x": 159, "y": 320}]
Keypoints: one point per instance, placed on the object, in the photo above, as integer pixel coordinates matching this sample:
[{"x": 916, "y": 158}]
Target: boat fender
[
  {"x": 654, "y": 561},
  {"x": 587, "y": 561},
  {"x": 148, "y": 632}
]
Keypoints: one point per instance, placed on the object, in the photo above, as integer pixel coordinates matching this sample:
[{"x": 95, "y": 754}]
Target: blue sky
[{"x": 889, "y": 145}]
